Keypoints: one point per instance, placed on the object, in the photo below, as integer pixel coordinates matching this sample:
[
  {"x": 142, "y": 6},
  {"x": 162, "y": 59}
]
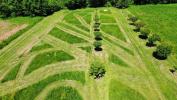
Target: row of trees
[{"x": 154, "y": 1}]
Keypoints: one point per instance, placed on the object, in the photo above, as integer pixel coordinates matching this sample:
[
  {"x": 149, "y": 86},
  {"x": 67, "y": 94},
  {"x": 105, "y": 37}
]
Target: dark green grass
[
  {"x": 40, "y": 46},
  {"x": 87, "y": 18},
  {"x": 119, "y": 91},
  {"x": 107, "y": 19},
  {"x": 113, "y": 30},
  {"x": 66, "y": 36},
  {"x": 87, "y": 49},
  {"x": 73, "y": 29},
  {"x": 12, "y": 74},
  {"x": 47, "y": 58},
  {"x": 161, "y": 19},
  {"x": 64, "y": 93},
  {"x": 32, "y": 91},
  {"x": 116, "y": 60}
]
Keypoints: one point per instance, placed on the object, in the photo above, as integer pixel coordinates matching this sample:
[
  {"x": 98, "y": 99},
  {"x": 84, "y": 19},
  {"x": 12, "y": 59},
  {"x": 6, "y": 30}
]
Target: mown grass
[
  {"x": 161, "y": 19},
  {"x": 73, "y": 29},
  {"x": 19, "y": 20},
  {"x": 70, "y": 18},
  {"x": 116, "y": 60},
  {"x": 119, "y": 91},
  {"x": 107, "y": 18},
  {"x": 113, "y": 30},
  {"x": 32, "y": 91},
  {"x": 40, "y": 46},
  {"x": 12, "y": 74},
  {"x": 66, "y": 36},
  {"x": 64, "y": 93},
  {"x": 47, "y": 58},
  {"x": 105, "y": 11},
  {"x": 87, "y": 49}
]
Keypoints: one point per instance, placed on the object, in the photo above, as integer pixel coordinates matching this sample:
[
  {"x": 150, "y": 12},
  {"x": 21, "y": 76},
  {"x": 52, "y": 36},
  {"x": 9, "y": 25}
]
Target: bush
[
  {"x": 139, "y": 25},
  {"x": 162, "y": 51},
  {"x": 98, "y": 45},
  {"x": 144, "y": 33},
  {"x": 75, "y": 4},
  {"x": 97, "y": 70},
  {"x": 98, "y": 36},
  {"x": 133, "y": 19},
  {"x": 152, "y": 39}
]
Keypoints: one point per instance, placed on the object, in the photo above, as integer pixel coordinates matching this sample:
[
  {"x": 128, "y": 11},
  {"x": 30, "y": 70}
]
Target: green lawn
[
  {"x": 116, "y": 60},
  {"x": 32, "y": 91},
  {"x": 161, "y": 19},
  {"x": 48, "y": 58},
  {"x": 123, "y": 92},
  {"x": 66, "y": 36},
  {"x": 40, "y": 46},
  {"x": 107, "y": 18},
  {"x": 87, "y": 49},
  {"x": 64, "y": 93},
  {"x": 113, "y": 30}
]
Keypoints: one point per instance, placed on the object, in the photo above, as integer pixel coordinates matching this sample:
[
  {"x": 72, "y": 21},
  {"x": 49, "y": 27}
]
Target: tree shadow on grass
[
  {"x": 158, "y": 57},
  {"x": 142, "y": 37}
]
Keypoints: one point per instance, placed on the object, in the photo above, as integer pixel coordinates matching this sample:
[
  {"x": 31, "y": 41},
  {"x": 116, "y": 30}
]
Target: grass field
[{"x": 51, "y": 60}]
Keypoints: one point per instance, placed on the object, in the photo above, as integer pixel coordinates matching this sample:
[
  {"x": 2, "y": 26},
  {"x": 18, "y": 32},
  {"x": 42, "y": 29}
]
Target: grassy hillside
[{"x": 161, "y": 19}]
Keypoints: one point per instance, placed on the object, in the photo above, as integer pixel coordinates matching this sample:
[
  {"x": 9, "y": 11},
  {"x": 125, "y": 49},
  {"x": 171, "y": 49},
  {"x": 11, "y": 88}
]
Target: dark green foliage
[
  {"x": 154, "y": 1},
  {"x": 12, "y": 74},
  {"x": 47, "y": 58},
  {"x": 98, "y": 45},
  {"x": 152, "y": 39},
  {"x": 133, "y": 18},
  {"x": 144, "y": 33},
  {"x": 75, "y": 4},
  {"x": 30, "y": 92},
  {"x": 97, "y": 70},
  {"x": 97, "y": 3},
  {"x": 163, "y": 51},
  {"x": 64, "y": 93},
  {"x": 98, "y": 36}
]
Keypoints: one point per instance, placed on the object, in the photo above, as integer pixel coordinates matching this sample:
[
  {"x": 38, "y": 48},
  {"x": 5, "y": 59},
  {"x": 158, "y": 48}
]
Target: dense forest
[{"x": 47, "y": 7}]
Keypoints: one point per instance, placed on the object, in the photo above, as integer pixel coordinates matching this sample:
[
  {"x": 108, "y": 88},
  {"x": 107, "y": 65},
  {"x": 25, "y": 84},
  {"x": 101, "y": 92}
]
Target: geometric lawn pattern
[{"x": 148, "y": 77}]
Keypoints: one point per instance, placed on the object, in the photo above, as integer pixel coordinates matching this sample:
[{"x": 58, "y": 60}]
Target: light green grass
[
  {"x": 12, "y": 74},
  {"x": 116, "y": 60},
  {"x": 161, "y": 19},
  {"x": 87, "y": 49},
  {"x": 40, "y": 46},
  {"x": 113, "y": 30},
  {"x": 107, "y": 18},
  {"x": 48, "y": 58},
  {"x": 66, "y": 36},
  {"x": 119, "y": 91},
  {"x": 32, "y": 91},
  {"x": 105, "y": 11},
  {"x": 64, "y": 93}
]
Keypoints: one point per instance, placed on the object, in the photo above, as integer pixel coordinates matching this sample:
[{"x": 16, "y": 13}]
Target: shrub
[
  {"x": 139, "y": 25},
  {"x": 123, "y": 3},
  {"x": 133, "y": 18},
  {"x": 162, "y": 51},
  {"x": 75, "y": 4},
  {"x": 98, "y": 45},
  {"x": 152, "y": 39},
  {"x": 144, "y": 33},
  {"x": 98, "y": 36},
  {"x": 97, "y": 70}
]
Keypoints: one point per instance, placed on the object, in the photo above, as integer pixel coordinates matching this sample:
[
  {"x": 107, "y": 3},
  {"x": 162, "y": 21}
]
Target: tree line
[{"x": 46, "y": 7}]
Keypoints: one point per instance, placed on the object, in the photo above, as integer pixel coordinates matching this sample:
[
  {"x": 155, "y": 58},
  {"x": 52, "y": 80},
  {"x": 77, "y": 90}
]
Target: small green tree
[
  {"x": 163, "y": 51},
  {"x": 133, "y": 19},
  {"x": 97, "y": 70},
  {"x": 139, "y": 25},
  {"x": 98, "y": 45},
  {"x": 152, "y": 39},
  {"x": 144, "y": 33},
  {"x": 98, "y": 36}
]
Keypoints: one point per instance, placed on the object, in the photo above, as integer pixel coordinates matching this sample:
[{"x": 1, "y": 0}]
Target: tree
[
  {"x": 97, "y": 70},
  {"x": 139, "y": 25},
  {"x": 144, "y": 33},
  {"x": 75, "y": 4},
  {"x": 97, "y": 3},
  {"x": 163, "y": 51},
  {"x": 123, "y": 3},
  {"x": 133, "y": 19},
  {"x": 98, "y": 45},
  {"x": 98, "y": 36},
  {"x": 152, "y": 39}
]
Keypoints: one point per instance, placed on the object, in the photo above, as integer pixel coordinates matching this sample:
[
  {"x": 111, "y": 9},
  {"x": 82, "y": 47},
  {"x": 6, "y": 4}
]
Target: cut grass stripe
[
  {"x": 12, "y": 74},
  {"x": 47, "y": 58},
  {"x": 32, "y": 91},
  {"x": 64, "y": 93},
  {"x": 116, "y": 60},
  {"x": 40, "y": 46},
  {"x": 65, "y": 36},
  {"x": 87, "y": 49},
  {"x": 118, "y": 91}
]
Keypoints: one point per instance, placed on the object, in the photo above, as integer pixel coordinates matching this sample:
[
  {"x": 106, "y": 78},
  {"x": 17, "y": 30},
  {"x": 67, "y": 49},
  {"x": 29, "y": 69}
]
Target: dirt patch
[{"x": 11, "y": 32}]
